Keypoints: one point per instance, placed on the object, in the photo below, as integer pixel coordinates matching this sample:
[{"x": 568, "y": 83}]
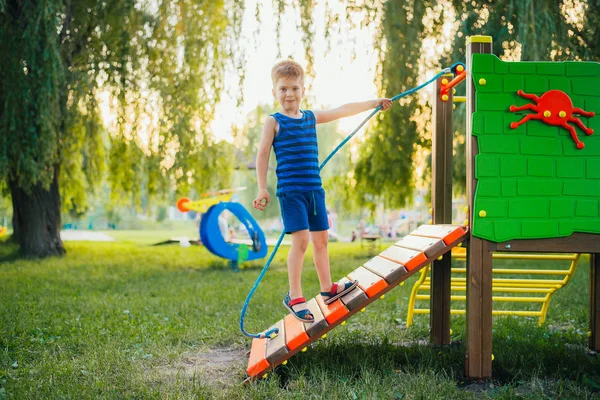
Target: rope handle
[{"x": 273, "y": 332}]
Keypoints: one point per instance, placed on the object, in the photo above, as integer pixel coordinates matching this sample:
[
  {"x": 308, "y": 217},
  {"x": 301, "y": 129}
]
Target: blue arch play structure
[{"x": 213, "y": 240}]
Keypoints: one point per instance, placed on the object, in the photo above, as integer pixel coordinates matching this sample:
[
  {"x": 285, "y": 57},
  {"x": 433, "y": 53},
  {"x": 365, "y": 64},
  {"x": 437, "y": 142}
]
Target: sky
[
  {"x": 339, "y": 79},
  {"x": 344, "y": 73}
]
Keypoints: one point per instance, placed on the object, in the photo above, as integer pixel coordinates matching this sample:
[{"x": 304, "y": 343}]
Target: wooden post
[
  {"x": 594, "y": 342},
  {"x": 442, "y": 211},
  {"x": 479, "y": 254}
]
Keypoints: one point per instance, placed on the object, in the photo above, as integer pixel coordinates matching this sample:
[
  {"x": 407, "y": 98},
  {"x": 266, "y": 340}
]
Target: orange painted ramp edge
[
  {"x": 416, "y": 261},
  {"x": 295, "y": 334},
  {"x": 454, "y": 235},
  {"x": 448, "y": 233},
  {"x": 411, "y": 259},
  {"x": 370, "y": 283},
  {"x": 257, "y": 362},
  {"x": 332, "y": 312}
]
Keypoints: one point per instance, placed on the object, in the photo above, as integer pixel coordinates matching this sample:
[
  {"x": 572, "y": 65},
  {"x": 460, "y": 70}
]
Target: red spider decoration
[{"x": 554, "y": 108}]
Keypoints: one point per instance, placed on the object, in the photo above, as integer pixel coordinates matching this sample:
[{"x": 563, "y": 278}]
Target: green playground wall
[{"x": 532, "y": 182}]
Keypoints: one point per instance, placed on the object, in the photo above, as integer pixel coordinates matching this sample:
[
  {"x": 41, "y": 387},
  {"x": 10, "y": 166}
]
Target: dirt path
[
  {"x": 90, "y": 236},
  {"x": 218, "y": 367}
]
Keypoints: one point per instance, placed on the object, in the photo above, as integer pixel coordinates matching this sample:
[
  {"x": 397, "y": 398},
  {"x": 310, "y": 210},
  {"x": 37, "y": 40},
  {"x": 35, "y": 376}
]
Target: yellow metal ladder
[{"x": 509, "y": 281}]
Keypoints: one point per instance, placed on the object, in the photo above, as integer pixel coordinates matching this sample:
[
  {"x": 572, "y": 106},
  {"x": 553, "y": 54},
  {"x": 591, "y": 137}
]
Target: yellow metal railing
[{"x": 516, "y": 283}]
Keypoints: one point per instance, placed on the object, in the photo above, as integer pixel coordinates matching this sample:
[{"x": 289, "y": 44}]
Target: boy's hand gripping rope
[{"x": 272, "y": 333}]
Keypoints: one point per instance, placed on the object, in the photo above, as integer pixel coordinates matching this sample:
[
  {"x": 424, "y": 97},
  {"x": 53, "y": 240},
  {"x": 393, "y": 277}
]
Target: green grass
[{"x": 125, "y": 320}]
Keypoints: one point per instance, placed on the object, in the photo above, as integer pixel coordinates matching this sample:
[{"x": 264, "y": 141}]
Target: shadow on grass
[
  {"x": 558, "y": 358},
  {"x": 352, "y": 358},
  {"x": 9, "y": 251},
  {"x": 224, "y": 266}
]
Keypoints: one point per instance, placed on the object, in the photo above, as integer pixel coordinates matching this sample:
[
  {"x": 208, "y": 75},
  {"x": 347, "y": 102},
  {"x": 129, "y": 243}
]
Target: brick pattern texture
[{"x": 532, "y": 181}]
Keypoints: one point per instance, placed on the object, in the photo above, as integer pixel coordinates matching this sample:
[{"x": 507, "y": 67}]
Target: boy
[{"x": 292, "y": 134}]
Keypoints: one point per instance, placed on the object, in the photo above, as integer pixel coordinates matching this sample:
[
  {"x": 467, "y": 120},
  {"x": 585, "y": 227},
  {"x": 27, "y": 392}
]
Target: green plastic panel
[{"x": 532, "y": 181}]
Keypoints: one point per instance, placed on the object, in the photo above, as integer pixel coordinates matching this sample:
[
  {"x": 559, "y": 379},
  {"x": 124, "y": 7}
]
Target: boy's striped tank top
[{"x": 297, "y": 153}]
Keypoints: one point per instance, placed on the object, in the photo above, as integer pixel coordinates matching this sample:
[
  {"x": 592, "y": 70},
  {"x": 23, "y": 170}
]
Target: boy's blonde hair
[{"x": 286, "y": 69}]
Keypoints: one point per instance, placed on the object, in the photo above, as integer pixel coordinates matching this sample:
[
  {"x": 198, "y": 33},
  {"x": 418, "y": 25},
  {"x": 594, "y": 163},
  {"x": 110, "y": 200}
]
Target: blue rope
[{"x": 273, "y": 332}]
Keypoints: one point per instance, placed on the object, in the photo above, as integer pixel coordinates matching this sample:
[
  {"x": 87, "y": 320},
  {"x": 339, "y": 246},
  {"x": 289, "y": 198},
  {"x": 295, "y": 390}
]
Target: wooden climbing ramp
[{"x": 376, "y": 277}]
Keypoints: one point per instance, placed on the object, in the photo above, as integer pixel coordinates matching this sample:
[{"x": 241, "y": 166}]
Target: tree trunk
[{"x": 36, "y": 219}]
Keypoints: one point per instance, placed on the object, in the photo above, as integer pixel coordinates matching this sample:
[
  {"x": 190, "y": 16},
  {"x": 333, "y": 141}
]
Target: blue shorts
[{"x": 304, "y": 210}]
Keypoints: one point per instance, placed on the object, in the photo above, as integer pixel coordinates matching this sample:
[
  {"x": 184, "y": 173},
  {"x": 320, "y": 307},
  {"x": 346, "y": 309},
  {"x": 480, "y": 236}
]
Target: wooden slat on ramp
[
  {"x": 276, "y": 347},
  {"x": 423, "y": 244},
  {"x": 377, "y": 276},
  {"x": 257, "y": 363},
  {"x": 295, "y": 334},
  {"x": 411, "y": 259},
  {"x": 448, "y": 233},
  {"x": 355, "y": 299},
  {"x": 371, "y": 283},
  {"x": 319, "y": 323},
  {"x": 332, "y": 312},
  {"x": 389, "y": 270}
]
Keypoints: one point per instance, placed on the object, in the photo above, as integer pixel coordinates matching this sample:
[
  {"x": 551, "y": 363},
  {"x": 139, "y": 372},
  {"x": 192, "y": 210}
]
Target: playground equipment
[
  {"x": 530, "y": 188},
  {"x": 376, "y": 277},
  {"x": 207, "y": 200},
  {"x": 511, "y": 281},
  {"x": 373, "y": 242},
  {"x": 272, "y": 333},
  {"x": 212, "y": 205},
  {"x": 3, "y": 227}
]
